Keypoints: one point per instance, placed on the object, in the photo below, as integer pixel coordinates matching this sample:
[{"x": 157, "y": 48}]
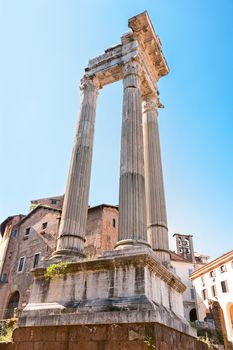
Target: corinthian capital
[
  {"x": 148, "y": 105},
  {"x": 151, "y": 102},
  {"x": 89, "y": 83},
  {"x": 132, "y": 67}
]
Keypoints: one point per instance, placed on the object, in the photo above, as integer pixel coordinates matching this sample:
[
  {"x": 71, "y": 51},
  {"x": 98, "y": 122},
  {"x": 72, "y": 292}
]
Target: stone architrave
[
  {"x": 132, "y": 204},
  {"x": 74, "y": 215},
  {"x": 156, "y": 208}
]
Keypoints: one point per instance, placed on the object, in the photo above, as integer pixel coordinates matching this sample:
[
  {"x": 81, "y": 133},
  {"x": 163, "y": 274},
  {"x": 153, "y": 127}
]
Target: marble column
[
  {"x": 157, "y": 230},
  {"x": 132, "y": 204},
  {"x": 72, "y": 229}
]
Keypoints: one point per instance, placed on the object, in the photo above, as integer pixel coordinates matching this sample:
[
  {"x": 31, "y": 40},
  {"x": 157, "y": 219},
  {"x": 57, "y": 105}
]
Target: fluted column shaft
[
  {"x": 155, "y": 198},
  {"x": 74, "y": 214},
  {"x": 132, "y": 205}
]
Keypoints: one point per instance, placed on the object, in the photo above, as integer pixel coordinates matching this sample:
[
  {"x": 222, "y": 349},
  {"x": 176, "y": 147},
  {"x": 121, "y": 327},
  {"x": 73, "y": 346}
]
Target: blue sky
[{"x": 45, "y": 46}]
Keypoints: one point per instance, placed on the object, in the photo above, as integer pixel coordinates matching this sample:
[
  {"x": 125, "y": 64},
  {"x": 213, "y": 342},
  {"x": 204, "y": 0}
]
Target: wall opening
[
  {"x": 219, "y": 321},
  {"x": 193, "y": 315},
  {"x": 12, "y": 304}
]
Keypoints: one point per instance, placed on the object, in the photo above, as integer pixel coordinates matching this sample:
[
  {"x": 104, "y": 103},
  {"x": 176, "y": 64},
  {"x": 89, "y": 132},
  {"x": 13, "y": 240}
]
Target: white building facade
[
  {"x": 213, "y": 284},
  {"x": 184, "y": 269}
]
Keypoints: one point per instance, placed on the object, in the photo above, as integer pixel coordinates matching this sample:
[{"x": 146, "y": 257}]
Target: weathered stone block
[
  {"x": 103, "y": 337},
  {"x": 83, "y": 345},
  {"x": 61, "y": 334},
  {"x": 132, "y": 345},
  {"x": 99, "y": 333},
  {"x": 136, "y": 332},
  {"x": 77, "y": 333},
  {"x": 117, "y": 331},
  {"x": 124, "y": 286}
]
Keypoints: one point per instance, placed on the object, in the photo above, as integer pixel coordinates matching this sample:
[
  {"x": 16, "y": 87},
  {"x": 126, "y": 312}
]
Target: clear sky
[{"x": 45, "y": 46}]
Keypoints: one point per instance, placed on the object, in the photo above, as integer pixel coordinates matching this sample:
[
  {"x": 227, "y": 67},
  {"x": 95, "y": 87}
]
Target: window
[
  {"x": 232, "y": 264},
  {"x": 27, "y": 231},
  {"x": 187, "y": 244},
  {"x": 187, "y": 251},
  {"x": 190, "y": 271},
  {"x": 181, "y": 251},
  {"x": 192, "y": 293},
  {"x": 224, "y": 286},
  {"x": 114, "y": 222},
  {"x": 212, "y": 273},
  {"x": 179, "y": 241},
  {"x": 204, "y": 294},
  {"x": 3, "y": 278},
  {"x": 21, "y": 264},
  {"x": 223, "y": 268},
  {"x": 203, "y": 280},
  {"x": 36, "y": 260},
  {"x": 14, "y": 233},
  {"x": 214, "y": 290},
  {"x": 44, "y": 225},
  {"x": 53, "y": 201}
]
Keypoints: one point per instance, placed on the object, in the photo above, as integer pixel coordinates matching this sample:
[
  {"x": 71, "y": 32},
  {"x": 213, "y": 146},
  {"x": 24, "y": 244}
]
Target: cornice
[{"x": 145, "y": 258}]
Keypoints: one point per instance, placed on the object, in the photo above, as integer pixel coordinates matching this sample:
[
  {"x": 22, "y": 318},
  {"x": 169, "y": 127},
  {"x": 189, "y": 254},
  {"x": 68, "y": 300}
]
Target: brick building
[
  {"x": 29, "y": 240},
  {"x": 8, "y": 231}
]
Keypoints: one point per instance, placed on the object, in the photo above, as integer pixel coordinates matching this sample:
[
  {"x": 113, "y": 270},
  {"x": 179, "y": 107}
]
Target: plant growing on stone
[
  {"x": 8, "y": 331},
  {"x": 56, "y": 270},
  {"x": 149, "y": 342},
  {"x": 206, "y": 340}
]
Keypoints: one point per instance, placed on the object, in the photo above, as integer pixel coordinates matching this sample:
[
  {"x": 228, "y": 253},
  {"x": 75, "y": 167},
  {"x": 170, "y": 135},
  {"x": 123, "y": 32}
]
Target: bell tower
[{"x": 184, "y": 246}]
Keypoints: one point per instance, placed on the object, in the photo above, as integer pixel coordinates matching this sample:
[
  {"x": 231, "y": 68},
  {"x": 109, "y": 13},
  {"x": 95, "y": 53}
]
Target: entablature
[{"x": 141, "y": 44}]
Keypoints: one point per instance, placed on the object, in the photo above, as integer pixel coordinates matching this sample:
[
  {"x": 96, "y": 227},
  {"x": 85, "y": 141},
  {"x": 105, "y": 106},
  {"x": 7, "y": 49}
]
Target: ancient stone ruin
[{"x": 128, "y": 295}]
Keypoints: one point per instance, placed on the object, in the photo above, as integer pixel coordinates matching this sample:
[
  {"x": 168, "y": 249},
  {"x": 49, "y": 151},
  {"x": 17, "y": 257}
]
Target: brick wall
[
  {"x": 102, "y": 230},
  {"x": 102, "y": 337},
  {"x": 93, "y": 232},
  {"x": 110, "y": 228},
  {"x": 9, "y": 258},
  {"x": 39, "y": 240}
]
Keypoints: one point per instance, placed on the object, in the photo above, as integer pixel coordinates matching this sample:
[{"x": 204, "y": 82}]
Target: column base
[
  {"x": 130, "y": 243},
  {"x": 67, "y": 253}
]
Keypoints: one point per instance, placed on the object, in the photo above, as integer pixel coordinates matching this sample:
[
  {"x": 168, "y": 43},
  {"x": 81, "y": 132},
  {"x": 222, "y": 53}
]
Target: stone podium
[{"x": 133, "y": 283}]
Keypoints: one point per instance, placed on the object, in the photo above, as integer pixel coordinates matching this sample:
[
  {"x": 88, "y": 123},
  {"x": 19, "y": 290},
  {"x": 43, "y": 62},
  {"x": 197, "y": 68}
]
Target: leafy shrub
[{"x": 57, "y": 269}]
